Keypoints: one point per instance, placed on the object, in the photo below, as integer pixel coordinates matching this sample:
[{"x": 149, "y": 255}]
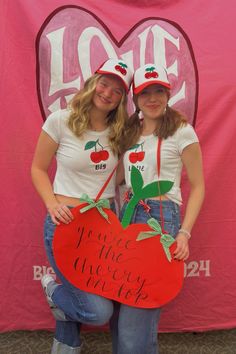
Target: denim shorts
[{"x": 170, "y": 212}]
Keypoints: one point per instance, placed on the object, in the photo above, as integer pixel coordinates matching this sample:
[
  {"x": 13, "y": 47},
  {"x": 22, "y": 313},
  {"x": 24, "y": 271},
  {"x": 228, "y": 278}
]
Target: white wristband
[{"x": 185, "y": 232}]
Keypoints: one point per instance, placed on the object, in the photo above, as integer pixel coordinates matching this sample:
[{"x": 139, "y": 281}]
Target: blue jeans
[
  {"x": 78, "y": 306},
  {"x": 134, "y": 330}
]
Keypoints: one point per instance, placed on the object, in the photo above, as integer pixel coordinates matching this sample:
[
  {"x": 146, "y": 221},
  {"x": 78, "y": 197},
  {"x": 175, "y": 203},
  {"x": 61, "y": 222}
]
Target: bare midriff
[
  {"x": 70, "y": 201},
  {"x": 162, "y": 197}
]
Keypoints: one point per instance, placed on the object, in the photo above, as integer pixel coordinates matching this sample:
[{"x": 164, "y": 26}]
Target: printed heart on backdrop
[
  {"x": 73, "y": 42},
  {"x": 103, "y": 258}
]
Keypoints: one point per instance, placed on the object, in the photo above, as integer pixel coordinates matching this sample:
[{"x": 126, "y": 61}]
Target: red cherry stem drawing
[{"x": 140, "y": 191}]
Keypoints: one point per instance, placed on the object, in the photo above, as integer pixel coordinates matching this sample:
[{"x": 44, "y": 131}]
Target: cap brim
[
  {"x": 109, "y": 73},
  {"x": 140, "y": 88}
]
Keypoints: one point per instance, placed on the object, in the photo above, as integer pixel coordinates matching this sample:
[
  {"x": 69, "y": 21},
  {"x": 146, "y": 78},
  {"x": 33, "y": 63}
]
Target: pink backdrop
[{"x": 195, "y": 39}]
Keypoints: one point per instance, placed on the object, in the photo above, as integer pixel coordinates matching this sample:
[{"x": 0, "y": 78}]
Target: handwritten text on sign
[
  {"x": 112, "y": 252},
  {"x": 103, "y": 258}
]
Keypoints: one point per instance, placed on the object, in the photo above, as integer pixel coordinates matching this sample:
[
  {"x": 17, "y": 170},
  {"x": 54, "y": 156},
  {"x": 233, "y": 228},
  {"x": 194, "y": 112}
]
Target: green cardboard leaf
[
  {"x": 155, "y": 189},
  {"x": 136, "y": 180},
  {"x": 129, "y": 211},
  {"x": 151, "y": 190}
]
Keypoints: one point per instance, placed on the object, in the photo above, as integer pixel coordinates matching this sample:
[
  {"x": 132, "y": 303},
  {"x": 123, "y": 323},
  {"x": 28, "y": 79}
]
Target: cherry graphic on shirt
[
  {"x": 141, "y": 155},
  {"x": 151, "y": 73},
  {"x": 121, "y": 67},
  {"x": 104, "y": 154},
  {"x": 97, "y": 156},
  {"x": 137, "y": 156},
  {"x": 133, "y": 157}
]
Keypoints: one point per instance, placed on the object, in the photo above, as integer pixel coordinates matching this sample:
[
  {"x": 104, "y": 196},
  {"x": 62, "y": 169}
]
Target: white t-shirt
[
  {"x": 83, "y": 163},
  {"x": 171, "y": 165}
]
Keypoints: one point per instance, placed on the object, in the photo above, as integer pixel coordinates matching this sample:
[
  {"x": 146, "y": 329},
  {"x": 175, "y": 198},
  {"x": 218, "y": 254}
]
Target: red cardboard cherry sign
[{"x": 103, "y": 258}]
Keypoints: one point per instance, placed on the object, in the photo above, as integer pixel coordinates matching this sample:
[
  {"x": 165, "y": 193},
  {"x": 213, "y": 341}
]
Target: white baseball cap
[
  {"x": 150, "y": 74},
  {"x": 118, "y": 68}
]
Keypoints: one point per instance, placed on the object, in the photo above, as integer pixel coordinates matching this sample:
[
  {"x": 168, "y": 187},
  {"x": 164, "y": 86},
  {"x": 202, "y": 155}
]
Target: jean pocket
[
  {"x": 162, "y": 212},
  {"x": 172, "y": 221}
]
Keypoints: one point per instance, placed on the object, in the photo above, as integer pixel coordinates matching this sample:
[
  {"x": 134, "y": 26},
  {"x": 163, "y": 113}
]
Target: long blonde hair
[
  {"x": 81, "y": 105},
  {"x": 170, "y": 121}
]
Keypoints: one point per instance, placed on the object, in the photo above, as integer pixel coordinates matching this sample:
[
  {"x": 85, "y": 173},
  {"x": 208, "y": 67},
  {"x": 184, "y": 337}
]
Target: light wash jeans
[
  {"x": 78, "y": 306},
  {"x": 134, "y": 330}
]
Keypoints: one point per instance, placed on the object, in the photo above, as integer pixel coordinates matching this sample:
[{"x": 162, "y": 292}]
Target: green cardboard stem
[
  {"x": 150, "y": 190},
  {"x": 129, "y": 211}
]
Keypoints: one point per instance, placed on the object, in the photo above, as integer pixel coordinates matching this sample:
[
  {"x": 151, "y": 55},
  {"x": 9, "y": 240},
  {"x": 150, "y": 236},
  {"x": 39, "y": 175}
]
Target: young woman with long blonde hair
[{"x": 85, "y": 139}]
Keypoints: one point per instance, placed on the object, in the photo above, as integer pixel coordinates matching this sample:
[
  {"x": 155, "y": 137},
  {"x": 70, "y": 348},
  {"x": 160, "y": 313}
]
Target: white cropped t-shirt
[
  {"x": 144, "y": 157},
  {"x": 83, "y": 163}
]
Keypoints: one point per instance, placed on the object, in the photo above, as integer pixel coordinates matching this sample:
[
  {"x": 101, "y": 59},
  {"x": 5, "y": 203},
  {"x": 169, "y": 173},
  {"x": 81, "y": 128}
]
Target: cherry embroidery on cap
[
  {"x": 151, "y": 73},
  {"x": 121, "y": 67}
]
